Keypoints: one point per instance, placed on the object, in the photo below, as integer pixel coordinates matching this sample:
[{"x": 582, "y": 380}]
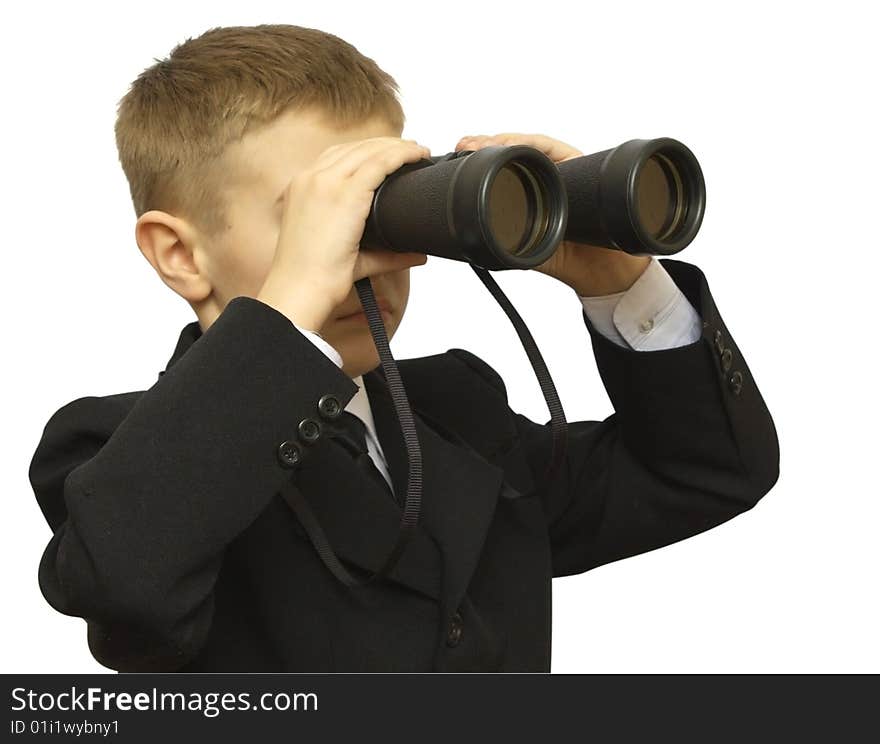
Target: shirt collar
[{"x": 359, "y": 405}]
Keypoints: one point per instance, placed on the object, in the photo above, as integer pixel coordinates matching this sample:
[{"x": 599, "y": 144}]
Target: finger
[
  {"x": 372, "y": 261},
  {"x": 463, "y": 142},
  {"x": 471, "y": 142},
  {"x": 351, "y": 154},
  {"x": 554, "y": 149},
  {"x": 330, "y": 156},
  {"x": 369, "y": 169},
  {"x": 382, "y": 152}
]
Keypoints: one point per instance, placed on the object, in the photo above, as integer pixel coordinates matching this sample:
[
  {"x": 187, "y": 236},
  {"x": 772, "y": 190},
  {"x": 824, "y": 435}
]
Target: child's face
[{"x": 260, "y": 167}]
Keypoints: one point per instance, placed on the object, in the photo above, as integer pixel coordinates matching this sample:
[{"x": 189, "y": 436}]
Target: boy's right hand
[{"x": 318, "y": 257}]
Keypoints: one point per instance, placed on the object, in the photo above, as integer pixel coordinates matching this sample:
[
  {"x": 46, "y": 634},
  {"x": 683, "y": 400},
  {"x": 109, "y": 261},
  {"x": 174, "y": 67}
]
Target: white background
[{"x": 774, "y": 99}]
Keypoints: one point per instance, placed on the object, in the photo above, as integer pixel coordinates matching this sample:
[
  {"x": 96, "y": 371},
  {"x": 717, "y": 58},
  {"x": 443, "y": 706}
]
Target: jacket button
[
  {"x": 309, "y": 430},
  {"x": 726, "y": 359},
  {"x": 719, "y": 342},
  {"x": 735, "y": 382},
  {"x": 453, "y": 635},
  {"x": 289, "y": 454},
  {"x": 328, "y": 406}
]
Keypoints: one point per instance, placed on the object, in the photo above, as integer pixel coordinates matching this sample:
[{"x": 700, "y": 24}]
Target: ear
[{"x": 171, "y": 245}]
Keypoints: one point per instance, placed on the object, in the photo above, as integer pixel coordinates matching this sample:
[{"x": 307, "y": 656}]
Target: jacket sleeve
[
  {"x": 690, "y": 445},
  {"x": 144, "y": 491}
]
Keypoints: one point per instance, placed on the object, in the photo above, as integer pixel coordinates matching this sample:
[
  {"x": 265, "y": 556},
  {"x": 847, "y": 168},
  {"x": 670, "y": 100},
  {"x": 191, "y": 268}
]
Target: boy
[{"x": 252, "y": 156}]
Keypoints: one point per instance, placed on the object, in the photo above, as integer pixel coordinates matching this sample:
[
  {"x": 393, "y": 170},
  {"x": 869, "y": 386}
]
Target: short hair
[{"x": 179, "y": 115}]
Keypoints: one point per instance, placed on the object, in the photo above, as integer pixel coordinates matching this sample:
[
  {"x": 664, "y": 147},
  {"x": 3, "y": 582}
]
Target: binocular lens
[
  {"x": 518, "y": 209},
  {"x": 644, "y": 197},
  {"x": 660, "y": 197},
  {"x": 497, "y": 208}
]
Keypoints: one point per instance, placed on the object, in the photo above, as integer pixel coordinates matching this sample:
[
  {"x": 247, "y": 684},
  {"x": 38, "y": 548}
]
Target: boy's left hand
[{"x": 588, "y": 269}]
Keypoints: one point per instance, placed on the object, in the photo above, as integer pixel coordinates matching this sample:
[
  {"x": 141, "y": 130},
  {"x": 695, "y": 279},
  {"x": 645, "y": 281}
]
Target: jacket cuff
[
  {"x": 328, "y": 350},
  {"x": 704, "y": 385}
]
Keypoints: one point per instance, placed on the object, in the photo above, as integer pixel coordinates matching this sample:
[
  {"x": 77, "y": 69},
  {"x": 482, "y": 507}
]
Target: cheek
[
  {"x": 399, "y": 281},
  {"x": 402, "y": 289},
  {"x": 245, "y": 255}
]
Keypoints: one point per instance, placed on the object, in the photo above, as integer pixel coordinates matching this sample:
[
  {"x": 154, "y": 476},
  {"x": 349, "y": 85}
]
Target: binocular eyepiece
[{"x": 511, "y": 207}]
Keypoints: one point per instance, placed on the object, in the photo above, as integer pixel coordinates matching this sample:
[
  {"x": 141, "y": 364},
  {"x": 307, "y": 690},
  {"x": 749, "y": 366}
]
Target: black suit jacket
[{"x": 171, "y": 540}]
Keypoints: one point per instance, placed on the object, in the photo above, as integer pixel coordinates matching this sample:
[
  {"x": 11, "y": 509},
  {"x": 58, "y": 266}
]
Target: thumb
[{"x": 372, "y": 261}]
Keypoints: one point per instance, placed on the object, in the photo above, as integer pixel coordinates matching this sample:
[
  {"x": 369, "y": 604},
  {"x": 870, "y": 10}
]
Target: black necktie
[{"x": 357, "y": 430}]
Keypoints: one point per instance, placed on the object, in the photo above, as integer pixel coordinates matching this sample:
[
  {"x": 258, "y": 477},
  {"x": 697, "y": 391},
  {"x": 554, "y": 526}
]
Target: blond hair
[{"x": 178, "y": 116}]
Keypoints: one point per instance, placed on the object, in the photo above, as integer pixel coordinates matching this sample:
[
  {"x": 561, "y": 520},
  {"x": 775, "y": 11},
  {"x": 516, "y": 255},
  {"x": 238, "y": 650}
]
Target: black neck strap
[{"x": 413, "y": 501}]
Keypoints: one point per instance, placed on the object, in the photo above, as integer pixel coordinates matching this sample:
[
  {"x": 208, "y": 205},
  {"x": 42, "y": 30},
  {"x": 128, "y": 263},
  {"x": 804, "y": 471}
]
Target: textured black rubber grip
[{"x": 581, "y": 178}]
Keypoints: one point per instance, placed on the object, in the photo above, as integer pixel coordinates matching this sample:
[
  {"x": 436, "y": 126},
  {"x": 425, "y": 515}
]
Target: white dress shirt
[{"x": 652, "y": 314}]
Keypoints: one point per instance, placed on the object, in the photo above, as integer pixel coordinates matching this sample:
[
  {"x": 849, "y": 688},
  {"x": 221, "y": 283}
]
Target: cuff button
[
  {"x": 726, "y": 359},
  {"x": 328, "y": 406},
  {"x": 719, "y": 342},
  {"x": 735, "y": 382},
  {"x": 289, "y": 454},
  {"x": 309, "y": 430}
]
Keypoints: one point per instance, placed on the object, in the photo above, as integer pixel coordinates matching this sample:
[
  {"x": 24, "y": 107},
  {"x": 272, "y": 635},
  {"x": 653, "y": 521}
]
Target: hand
[
  {"x": 318, "y": 257},
  {"x": 588, "y": 269}
]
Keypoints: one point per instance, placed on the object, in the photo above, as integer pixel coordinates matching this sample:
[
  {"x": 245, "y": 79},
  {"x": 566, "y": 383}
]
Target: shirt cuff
[
  {"x": 328, "y": 350},
  {"x": 652, "y": 314}
]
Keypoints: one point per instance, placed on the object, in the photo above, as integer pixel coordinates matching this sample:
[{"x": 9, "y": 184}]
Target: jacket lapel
[
  {"x": 188, "y": 336},
  {"x": 460, "y": 491},
  {"x": 361, "y": 521}
]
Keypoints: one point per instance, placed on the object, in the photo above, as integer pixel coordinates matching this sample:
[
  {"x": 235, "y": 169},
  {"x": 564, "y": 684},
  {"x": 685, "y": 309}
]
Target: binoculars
[{"x": 511, "y": 207}]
